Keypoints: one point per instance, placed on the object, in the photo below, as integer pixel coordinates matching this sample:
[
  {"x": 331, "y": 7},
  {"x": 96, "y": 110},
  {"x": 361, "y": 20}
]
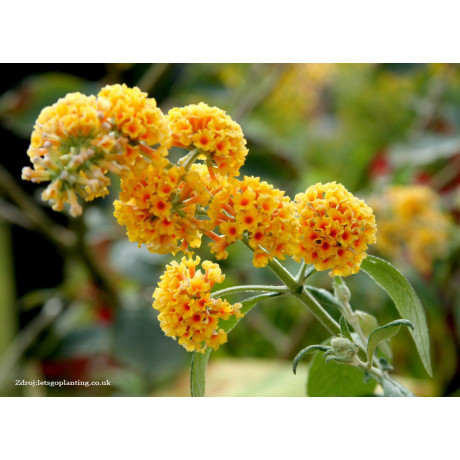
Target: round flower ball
[
  {"x": 336, "y": 228},
  {"x": 217, "y": 137},
  {"x": 187, "y": 310}
]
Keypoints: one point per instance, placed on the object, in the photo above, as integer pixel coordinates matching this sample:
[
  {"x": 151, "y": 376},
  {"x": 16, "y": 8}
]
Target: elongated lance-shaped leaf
[
  {"x": 305, "y": 351},
  {"x": 344, "y": 329},
  {"x": 383, "y": 333},
  {"x": 200, "y": 360},
  {"x": 368, "y": 323},
  {"x": 324, "y": 297},
  {"x": 406, "y": 301}
]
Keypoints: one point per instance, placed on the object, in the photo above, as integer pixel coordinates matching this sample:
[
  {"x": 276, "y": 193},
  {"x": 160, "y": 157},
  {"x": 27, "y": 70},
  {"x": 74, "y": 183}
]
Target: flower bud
[
  {"x": 344, "y": 348},
  {"x": 342, "y": 292}
]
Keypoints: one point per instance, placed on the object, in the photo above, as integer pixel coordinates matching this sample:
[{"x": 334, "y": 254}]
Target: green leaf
[
  {"x": 324, "y": 297},
  {"x": 333, "y": 379},
  {"x": 344, "y": 329},
  {"x": 368, "y": 323},
  {"x": 198, "y": 372},
  {"x": 200, "y": 360},
  {"x": 302, "y": 353},
  {"x": 406, "y": 301},
  {"x": 383, "y": 333}
]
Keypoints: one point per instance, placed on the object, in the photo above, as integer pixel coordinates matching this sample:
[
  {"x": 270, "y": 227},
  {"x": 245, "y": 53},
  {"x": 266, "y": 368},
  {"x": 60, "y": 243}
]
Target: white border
[
  {"x": 236, "y": 31},
  {"x": 229, "y": 428}
]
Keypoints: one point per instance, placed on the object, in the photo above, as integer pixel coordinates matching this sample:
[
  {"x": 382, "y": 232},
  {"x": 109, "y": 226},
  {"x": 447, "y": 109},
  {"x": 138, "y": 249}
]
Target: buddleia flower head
[
  {"x": 210, "y": 130},
  {"x": 187, "y": 310},
  {"x": 336, "y": 228}
]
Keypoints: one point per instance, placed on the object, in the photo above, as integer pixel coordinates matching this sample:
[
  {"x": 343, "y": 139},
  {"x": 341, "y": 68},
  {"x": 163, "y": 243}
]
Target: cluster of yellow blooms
[
  {"x": 168, "y": 207},
  {"x": 412, "y": 225},
  {"x": 158, "y": 203},
  {"x": 213, "y": 133},
  {"x": 136, "y": 119},
  {"x": 187, "y": 309},
  {"x": 254, "y": 209},
  {"x": 336, "y": 228},
  {"x": 79, "y": 138}
]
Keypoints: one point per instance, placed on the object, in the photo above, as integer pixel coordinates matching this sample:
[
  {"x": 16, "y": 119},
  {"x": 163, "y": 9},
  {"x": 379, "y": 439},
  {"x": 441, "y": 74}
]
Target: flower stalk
[
  {"x": 303, "y": 295},
  {"x": 249, "y": 288},
  {"x": 189, "y": 159}
]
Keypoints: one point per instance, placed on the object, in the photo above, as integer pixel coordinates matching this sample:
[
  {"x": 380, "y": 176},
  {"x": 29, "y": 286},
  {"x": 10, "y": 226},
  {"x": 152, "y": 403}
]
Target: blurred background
[{"x": 75, "y": 294}]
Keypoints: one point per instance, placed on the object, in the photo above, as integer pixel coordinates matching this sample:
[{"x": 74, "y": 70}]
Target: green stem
[
  {"x": 396, "y": 388},
  {"x": 283, "y": 274},
  {"x": 200, "y": 360},
  {"x": 189, "y": 159},
  {"x": 325, "y": 319},
  {"x": 304, "y": 296},
  {"x": 301, "y": 273},
  {"x": 319, "y": 312},
  {"x": 349, "y": 314},
  {"x": 249, "y": 288},
  {"x": 198, "y": 372},
  {"x": 353, "y": 319},
  {"x": 304, "y": 272}
]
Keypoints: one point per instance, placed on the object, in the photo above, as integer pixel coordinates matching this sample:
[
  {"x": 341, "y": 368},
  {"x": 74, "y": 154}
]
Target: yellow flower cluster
[
  {"x": 135, "y": 117},
  {"x": 77, "y": 140},
  {"x": 158, "y": 203},
  {"x": 187, "y": 309},
  {"x": 64, "y": 151},
  {"x": 336, "y": 228},
  {"x": 412, "y": 225},
  {"x": 168, "y": 207},
  {"x": 213, "y": 133},
  {"x": 255, "y": 209}
]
